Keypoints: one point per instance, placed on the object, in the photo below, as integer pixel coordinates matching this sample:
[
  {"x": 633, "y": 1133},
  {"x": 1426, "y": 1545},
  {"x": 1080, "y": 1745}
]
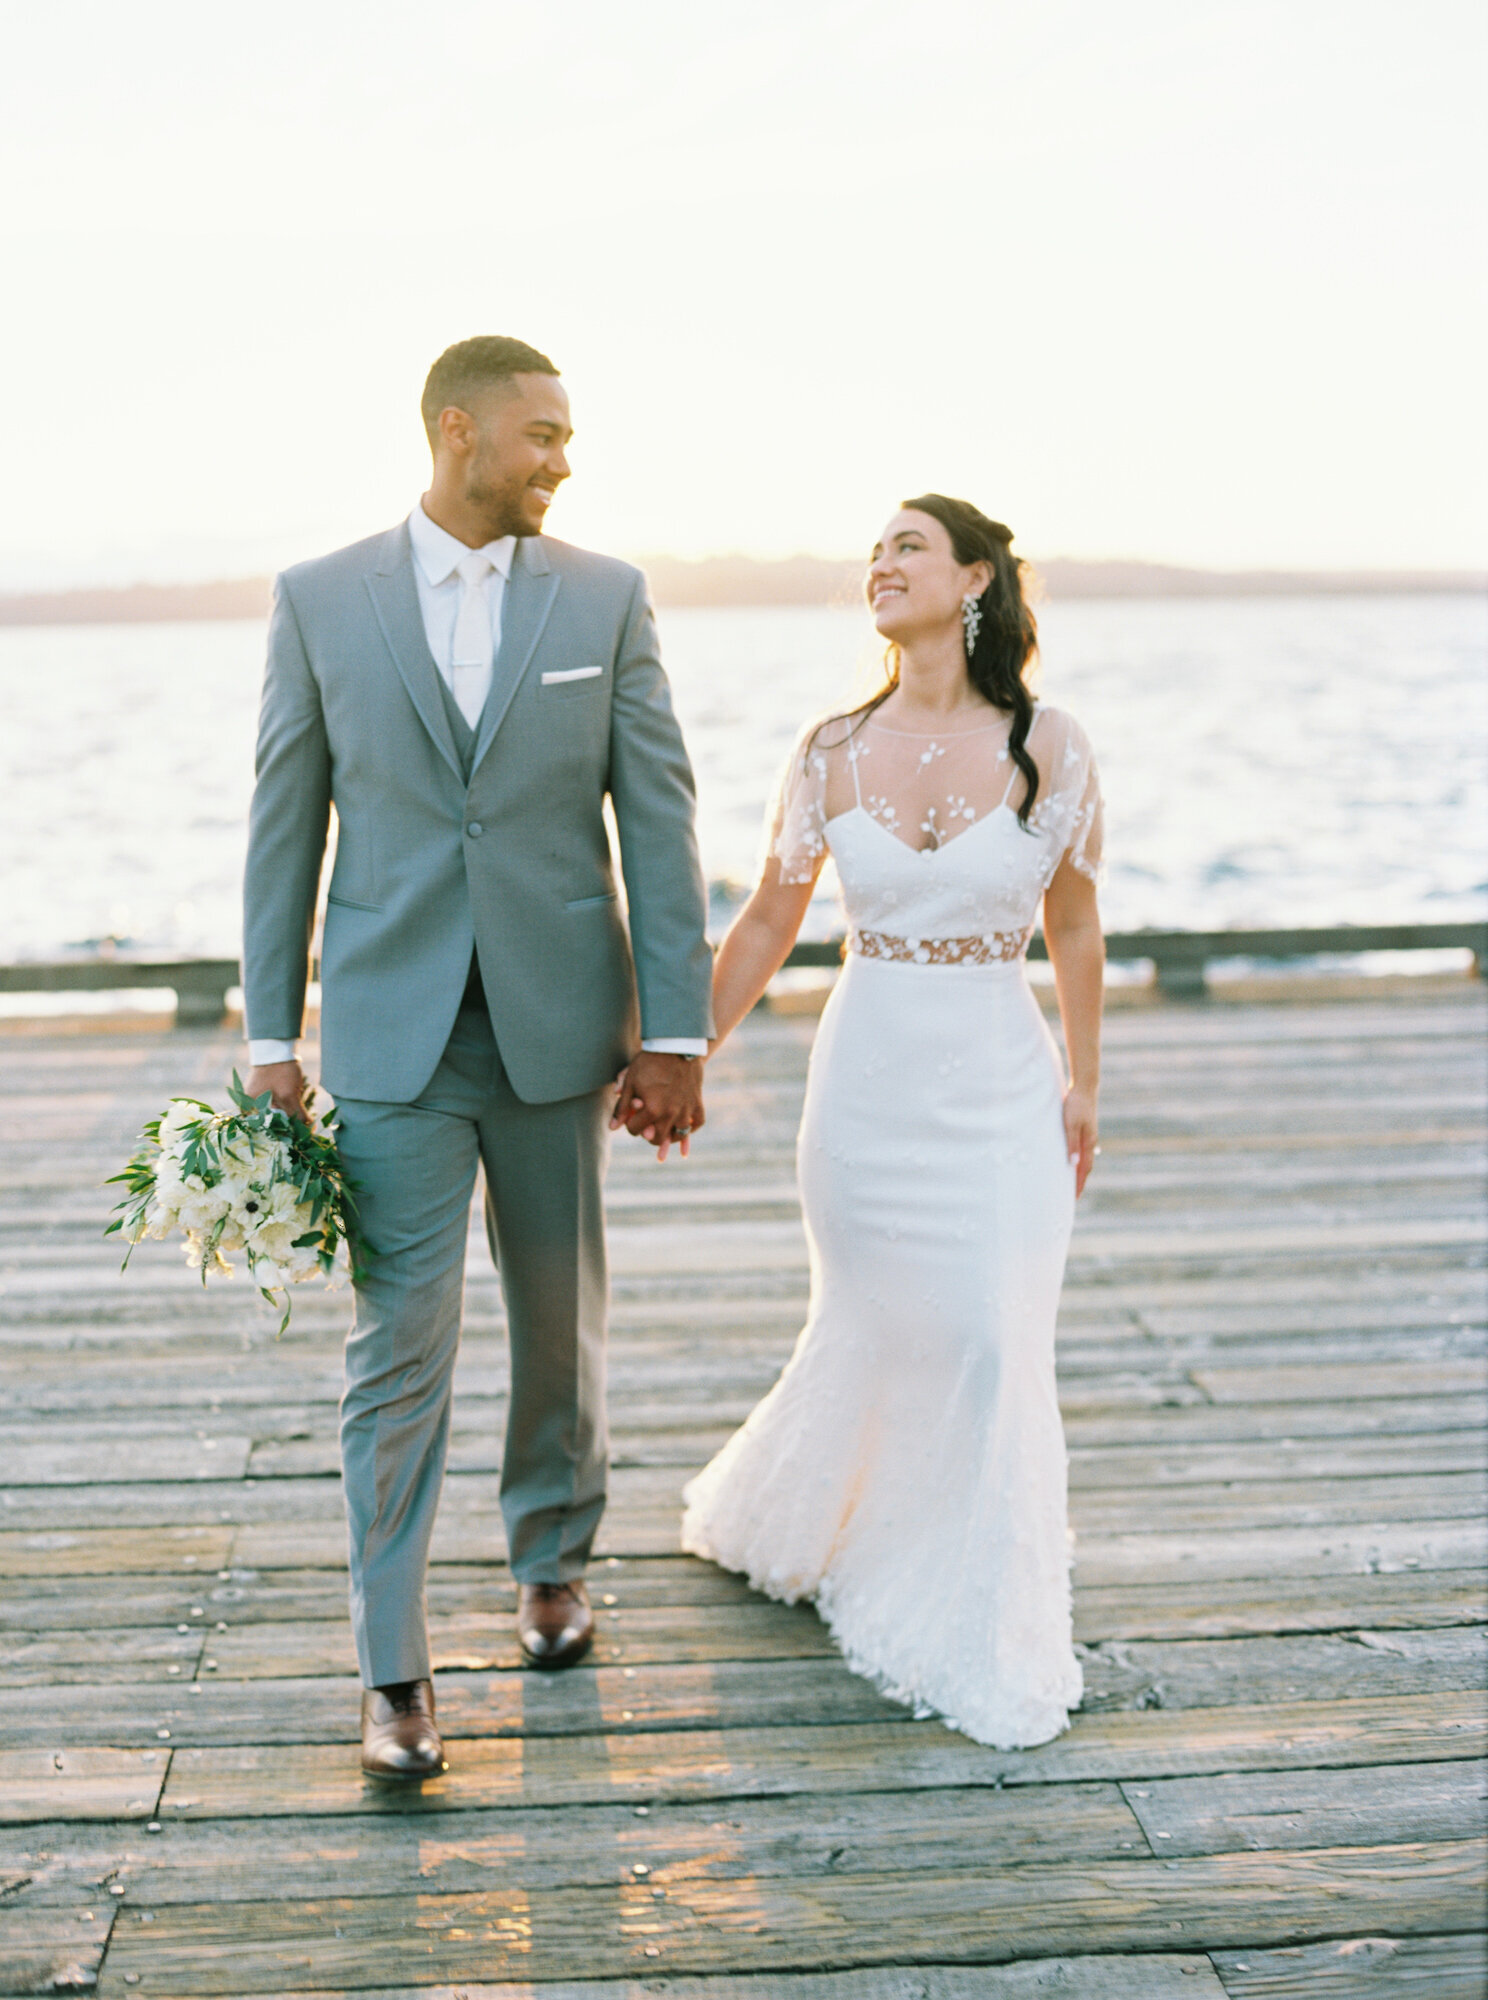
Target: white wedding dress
[{"x": 908, "y": 1469}]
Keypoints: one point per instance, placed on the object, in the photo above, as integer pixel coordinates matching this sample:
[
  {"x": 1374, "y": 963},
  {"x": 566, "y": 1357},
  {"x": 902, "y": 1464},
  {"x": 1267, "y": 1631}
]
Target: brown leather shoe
[
  {"x": 399, "y": 1736},
  {"x": 554, "y": 1624}
]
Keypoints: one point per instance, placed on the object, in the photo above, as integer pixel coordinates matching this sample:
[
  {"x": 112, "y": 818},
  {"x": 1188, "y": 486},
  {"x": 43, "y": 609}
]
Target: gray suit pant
[{"x": 416, "y": 1164}]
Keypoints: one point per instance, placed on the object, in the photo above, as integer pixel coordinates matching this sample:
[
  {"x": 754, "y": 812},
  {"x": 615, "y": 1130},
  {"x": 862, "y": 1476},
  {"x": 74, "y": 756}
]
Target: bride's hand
[{"x": 1081, "y": 1133}]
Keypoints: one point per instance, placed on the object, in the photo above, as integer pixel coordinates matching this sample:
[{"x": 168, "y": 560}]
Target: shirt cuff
[
  {"x": 677, "y": 1045},
  {"x": 263, "y": 1052}
]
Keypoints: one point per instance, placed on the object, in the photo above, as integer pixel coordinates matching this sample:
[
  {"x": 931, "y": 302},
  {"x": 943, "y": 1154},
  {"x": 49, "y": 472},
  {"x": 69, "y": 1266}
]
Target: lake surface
[{"x": 1265, "y": 760}]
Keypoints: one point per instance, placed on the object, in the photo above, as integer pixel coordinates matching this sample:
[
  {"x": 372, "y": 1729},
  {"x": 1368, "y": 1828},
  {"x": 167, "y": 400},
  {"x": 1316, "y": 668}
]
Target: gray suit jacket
[{"x": 516, "y": 863}]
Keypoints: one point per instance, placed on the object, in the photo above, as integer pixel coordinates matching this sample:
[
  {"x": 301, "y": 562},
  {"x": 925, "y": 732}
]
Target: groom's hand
[
  {"x": 285, "y": 1083},
  {"x": 659, "y": 1098}
]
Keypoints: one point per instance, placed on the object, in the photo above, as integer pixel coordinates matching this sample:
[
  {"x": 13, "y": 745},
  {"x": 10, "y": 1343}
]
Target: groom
[{"x": 467, "y": 694}]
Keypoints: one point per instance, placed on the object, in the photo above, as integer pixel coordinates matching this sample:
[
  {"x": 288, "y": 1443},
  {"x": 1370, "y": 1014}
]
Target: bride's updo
[{"x": 1007, "y": 638}]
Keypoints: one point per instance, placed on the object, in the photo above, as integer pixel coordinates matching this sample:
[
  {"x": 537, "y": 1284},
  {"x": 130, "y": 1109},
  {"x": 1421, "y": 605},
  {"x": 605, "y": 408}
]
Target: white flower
[
  {"x": 202, "y": 1210},
  {"x": 273, "y": 1241},
  {"x": 237, "y": 1191},
  {"x": 180, "y": 1115},
  {"x": 281, "y": 1203}
]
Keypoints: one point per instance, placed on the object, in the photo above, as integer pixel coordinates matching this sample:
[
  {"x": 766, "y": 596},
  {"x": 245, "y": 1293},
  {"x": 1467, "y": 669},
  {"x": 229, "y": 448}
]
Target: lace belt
[{"x": 999, "y": 949}]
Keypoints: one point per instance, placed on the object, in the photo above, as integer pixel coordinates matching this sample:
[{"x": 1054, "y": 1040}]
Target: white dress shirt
[{"x": 437, "y": 556}]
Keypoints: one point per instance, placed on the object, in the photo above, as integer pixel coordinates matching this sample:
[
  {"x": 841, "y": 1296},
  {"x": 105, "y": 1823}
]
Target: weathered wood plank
[
  {"x": 1231, "y": 1608},
  {"x": 1268, "y": 1553},
  {"x": 1170, "y": 1427},
  {"x": 566, "y": 1846},
  {"x": 249, "y": 1599},
  {"x": 1357, "y": 1348},
  {"x": 54, "y": 1950},
  {"x": 687, "y": 1692},
  {"x": 1184, "y": 1441},
  {"x": 285, "y": 1443},
  {"x": 1375, "y": 1804},
  {"x": 1338, "y": 1300},
  {"x": 675, "y": 1658},
  {"x": 1100, "y": 1559},
  {"x": 1205, "y": 1673},
  {"x": 642, "y": 1768},
  {"x": 1176, "y": 1975},
  {"x": 471, "y": 1620},
  {"x": 1263, "y": 1503},
  {"x": 1307, "y": 1385},
  {"x": 754, "y": 1924},
  {"x": 30, "y": 1659},
  {"x": 685, "y": 1444},
  {"x": 1099, "y": 1425},
  {"x": 479, "y": 1639},
  {"x": 647, "y": 1526},
  {"x": 47, "y": 1552},
  {"x": 1097, "y": 1467},
  {"x": 780, "y": 1247},
  {"x": 323, "y": 1708},
  {"x": 248, "y": 1596},
  {"x": 1290, "y": 1289},
  {"x": 115, "y": 1603},
  {"x": 79, "y": 1782},
  {"x": 1377, "y": 1967},
  {"x": 56, "y": 1454}
]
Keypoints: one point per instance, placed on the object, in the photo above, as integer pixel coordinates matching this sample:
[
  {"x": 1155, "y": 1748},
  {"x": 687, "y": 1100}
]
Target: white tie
[{"x": 470, "y": 655}]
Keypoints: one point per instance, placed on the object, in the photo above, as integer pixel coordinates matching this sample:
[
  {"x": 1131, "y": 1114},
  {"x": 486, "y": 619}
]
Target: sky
[{"x": 1196, "y": 281}]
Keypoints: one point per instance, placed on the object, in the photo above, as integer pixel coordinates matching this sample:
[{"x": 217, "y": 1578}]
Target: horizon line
[{"x": 737, "y": 581}]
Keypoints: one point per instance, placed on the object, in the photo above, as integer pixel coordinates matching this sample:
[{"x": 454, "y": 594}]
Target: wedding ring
[{"x": 681, "y": 1131}]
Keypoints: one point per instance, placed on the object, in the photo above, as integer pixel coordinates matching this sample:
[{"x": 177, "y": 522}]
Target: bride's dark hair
[{"x": 1007, "y": 639}]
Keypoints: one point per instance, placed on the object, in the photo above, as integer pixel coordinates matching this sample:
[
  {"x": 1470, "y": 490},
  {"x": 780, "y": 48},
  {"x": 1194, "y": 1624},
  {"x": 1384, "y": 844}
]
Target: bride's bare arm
[
  {"x": 756, "y": 946},
  {"x": 1077, "y": 951}
]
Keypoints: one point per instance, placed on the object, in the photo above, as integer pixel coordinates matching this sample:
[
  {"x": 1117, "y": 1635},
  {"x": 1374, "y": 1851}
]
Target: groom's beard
[{"x": 505, "y": 502}]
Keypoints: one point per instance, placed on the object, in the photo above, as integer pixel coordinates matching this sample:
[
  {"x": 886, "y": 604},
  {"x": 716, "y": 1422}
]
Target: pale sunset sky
[{"x": 1191, "y": 280}]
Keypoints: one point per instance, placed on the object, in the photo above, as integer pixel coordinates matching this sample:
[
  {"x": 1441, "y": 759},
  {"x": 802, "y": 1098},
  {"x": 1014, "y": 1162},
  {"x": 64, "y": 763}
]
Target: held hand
[
  {"x": 285, "y": 1083},
  {"x": 659, "y": 1098},
  {"x": 1081, "y": 1132}
]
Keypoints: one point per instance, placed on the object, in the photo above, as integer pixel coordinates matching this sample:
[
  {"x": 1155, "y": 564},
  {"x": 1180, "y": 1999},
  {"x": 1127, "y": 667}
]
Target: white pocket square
[{"x": 571, "y": 674}]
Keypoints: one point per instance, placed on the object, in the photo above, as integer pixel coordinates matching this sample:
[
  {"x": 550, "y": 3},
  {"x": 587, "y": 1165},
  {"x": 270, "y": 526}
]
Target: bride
[{"x": 907, "y": 1471}]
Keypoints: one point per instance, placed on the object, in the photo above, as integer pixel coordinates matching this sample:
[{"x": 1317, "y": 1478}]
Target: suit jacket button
[{"x": 475, "y": 829}]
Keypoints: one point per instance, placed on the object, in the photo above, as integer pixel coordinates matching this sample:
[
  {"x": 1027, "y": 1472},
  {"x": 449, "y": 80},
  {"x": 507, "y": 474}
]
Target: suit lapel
[
  {"x": 525, "y": 605},
  {"x": 395, "y": 601}
]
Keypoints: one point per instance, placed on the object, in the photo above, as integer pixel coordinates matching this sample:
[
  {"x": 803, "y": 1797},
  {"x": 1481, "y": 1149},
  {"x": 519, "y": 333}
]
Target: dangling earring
[{"x": 971, "y": 620}]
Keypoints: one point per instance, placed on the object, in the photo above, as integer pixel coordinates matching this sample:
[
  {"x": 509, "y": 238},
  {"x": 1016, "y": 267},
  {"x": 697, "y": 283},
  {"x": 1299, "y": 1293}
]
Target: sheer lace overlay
[{"x": 928, "y": 792}]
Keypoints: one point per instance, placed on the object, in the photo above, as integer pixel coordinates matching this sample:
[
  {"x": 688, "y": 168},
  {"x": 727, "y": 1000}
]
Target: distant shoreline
[{"x": 725, "y": 582}]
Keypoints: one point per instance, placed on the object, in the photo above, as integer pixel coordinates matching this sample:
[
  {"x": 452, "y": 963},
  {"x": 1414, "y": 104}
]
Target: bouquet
[{"x": 254, "y": 1180}]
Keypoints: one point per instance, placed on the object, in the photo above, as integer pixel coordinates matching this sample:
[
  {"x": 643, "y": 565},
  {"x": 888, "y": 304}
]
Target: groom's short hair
[{"x": 464, "y": 370}]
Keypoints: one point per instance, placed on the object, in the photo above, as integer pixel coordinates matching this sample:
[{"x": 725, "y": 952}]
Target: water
[{"x": 1266, "y": 761}]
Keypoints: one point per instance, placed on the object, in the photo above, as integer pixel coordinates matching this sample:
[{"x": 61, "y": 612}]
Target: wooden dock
[{"x": 1272, "y": 1365}]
